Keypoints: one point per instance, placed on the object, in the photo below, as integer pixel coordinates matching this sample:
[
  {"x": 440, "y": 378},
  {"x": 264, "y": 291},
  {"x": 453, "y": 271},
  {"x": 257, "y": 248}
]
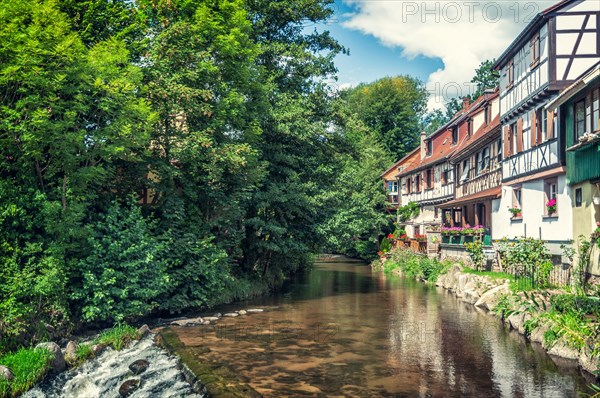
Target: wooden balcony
[{"x": 479, "y": 183}]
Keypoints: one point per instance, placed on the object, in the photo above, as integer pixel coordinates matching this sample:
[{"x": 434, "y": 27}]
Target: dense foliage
[{"x": 164, "y": 155}]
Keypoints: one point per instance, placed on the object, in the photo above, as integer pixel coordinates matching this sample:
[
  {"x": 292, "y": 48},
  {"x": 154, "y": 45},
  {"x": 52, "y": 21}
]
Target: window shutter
[
  {"x": 550, "y": 126},
  {"x": 520, "y": 134},
  {"x": 534, "y": 128},
  {"x": 506, "y": 139}
]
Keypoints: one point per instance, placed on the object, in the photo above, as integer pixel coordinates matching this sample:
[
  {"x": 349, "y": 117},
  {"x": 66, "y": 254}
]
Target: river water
[{"x": 342, "y": 330}]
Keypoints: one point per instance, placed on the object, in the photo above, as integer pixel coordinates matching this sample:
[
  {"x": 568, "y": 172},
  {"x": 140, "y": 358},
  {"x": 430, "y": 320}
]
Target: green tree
[
  {"x": 485, "y": 78},
  {"x": 355, "y": 205},
  {"x": 393, "y": 108}
]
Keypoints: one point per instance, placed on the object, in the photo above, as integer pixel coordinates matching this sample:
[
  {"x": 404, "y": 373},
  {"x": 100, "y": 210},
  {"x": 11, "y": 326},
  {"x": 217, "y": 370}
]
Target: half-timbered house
[
  {"x": 476, "y": 161},
  {"x": 557, "y": 46}
]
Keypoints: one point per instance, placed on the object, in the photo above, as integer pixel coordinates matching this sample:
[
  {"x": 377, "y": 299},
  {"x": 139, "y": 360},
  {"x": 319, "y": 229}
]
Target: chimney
[
  {"x": 466, "y": 103},
  {"x": 423, "y": 148}
]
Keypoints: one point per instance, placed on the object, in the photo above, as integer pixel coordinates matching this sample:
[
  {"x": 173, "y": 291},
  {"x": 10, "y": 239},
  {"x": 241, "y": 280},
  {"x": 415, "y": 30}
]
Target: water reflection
[{"x": 342, "y": 331}]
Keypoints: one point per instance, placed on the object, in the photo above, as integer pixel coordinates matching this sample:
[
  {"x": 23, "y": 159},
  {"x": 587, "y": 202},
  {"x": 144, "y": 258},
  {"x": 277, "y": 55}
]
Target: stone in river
[
  {"x": 231, "y": 314},
  {"x": 188, "y": 322},
  {"x": 218, "y": 315},
  {"x": 242, "y": 312},
  {"x": 139, "y": 366},
  {"x": 143, "y": 330},
  {"x": 6, "y": 373},
  {"x": 254, "y": 310},
  {"x": 210, "y": 318},
  {"x": 128, "y": 387},
  {"x": 58, "y": 363},
  {"x": 71, "y": 352}
]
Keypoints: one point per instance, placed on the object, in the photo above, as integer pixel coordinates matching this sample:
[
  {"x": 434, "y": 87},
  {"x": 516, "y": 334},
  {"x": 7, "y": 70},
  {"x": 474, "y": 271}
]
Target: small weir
[{"x": 106, "y": 374}]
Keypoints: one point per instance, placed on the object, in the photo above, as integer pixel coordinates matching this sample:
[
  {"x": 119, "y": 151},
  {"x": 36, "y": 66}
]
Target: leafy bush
[
  {"x": 197, "y": 269},
  {"x": 527, "y": 256},
  {"x": 475, "y": 250},
  {"x": 583, "y": 305},
  {"x": 32, "y": 275},
  {"x": 385, "y": 245},
  {"x": 416, "y": 266},
  {"x": 121, "y": 278},
  {"x": 409, "y": 211}
]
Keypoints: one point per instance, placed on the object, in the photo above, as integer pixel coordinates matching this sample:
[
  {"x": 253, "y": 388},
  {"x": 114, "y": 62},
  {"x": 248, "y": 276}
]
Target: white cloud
[{"x": 461, "y": 33}]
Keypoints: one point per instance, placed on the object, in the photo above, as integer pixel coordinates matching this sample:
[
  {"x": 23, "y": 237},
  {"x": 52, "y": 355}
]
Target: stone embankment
[{"x": 485, "y": 293}]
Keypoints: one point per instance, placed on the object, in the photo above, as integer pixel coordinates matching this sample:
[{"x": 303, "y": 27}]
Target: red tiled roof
[
  {"x": 442, "y": 139},
  {"x": 492, "y": 193},
  {"x": 483, "y": 132},
  {"x": 405, "y": 161}
]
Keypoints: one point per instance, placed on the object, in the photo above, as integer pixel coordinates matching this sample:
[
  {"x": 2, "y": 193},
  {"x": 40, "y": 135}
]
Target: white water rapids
[{"x": 102, "y": 376}]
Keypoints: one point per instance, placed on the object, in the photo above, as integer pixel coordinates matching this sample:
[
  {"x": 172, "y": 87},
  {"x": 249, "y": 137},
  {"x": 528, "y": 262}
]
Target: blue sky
[
  {"x": 441, "y": 42},
  {"x": 369, "y": 59}
]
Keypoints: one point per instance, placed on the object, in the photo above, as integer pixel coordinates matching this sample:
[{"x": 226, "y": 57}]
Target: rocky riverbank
[{"x": 487, "y": 294}]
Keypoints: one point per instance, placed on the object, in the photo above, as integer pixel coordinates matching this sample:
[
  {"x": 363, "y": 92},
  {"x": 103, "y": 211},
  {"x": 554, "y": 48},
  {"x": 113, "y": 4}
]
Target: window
[
  {"x": 499, "y": 151},
  {"x": 510, "y": 70},
  {"x": 470, "y": 127},
  {"x": 578, "y": 197},
  {"x": 435, "y": 212},
  {"x": 418, "y": 183},
  {"x": 465, "y": 171},
  {"x": 486, "y": 115},
  {"x": 454, "y": 135},
  {"x": 408, "y": 185},
  {"x": 416, "y": 230},
  {"x": 541, "y": 120},
  {"x": 429, "y": 148},
  {"x": 596, "y": 110},
  {"x": 485, "y": 158},
  {"x": 579, "y": 119},
  {"x": 535, "y": 50},
  {"x": 550, "y": 195},
  {"x": 429, "y": 179},
  {"x": 457, "y": 217},
  {"x": 392, "y": 186},
  {"x": 516, "y": 198}
]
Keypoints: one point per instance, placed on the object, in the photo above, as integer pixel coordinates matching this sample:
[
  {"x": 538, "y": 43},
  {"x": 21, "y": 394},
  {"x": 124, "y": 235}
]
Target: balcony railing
[
  {"x": 540, "y": 157},
  {"x": 432, "y": 194},
  {"x": 480, "y": 183}
]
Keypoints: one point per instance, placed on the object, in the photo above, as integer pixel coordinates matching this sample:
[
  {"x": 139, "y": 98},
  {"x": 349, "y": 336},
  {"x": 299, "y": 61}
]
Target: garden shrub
[{"x": 121, "y": 277}]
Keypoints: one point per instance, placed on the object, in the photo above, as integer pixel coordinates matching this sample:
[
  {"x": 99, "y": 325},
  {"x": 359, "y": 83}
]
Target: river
[{"x": 343, "y": 330}]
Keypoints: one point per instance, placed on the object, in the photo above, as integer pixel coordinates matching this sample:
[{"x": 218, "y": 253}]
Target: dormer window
[
  {"x": 429, "y": 148},
  {"x": 454, "y": 135},
  {"x": 486, "y": 115}
]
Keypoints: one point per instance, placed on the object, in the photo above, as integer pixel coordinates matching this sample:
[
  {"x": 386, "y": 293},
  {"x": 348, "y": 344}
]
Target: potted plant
[
  {"x": 421, "y": 238},
  {"x": 455, "y": 235},
  {"x": 479, "y": 229},
  {"x": 551, "y": 206},
  {"x": 467, "y": 232},
  {"x": 516, "y": 211},
  {"x": 445, "y": 235}
]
